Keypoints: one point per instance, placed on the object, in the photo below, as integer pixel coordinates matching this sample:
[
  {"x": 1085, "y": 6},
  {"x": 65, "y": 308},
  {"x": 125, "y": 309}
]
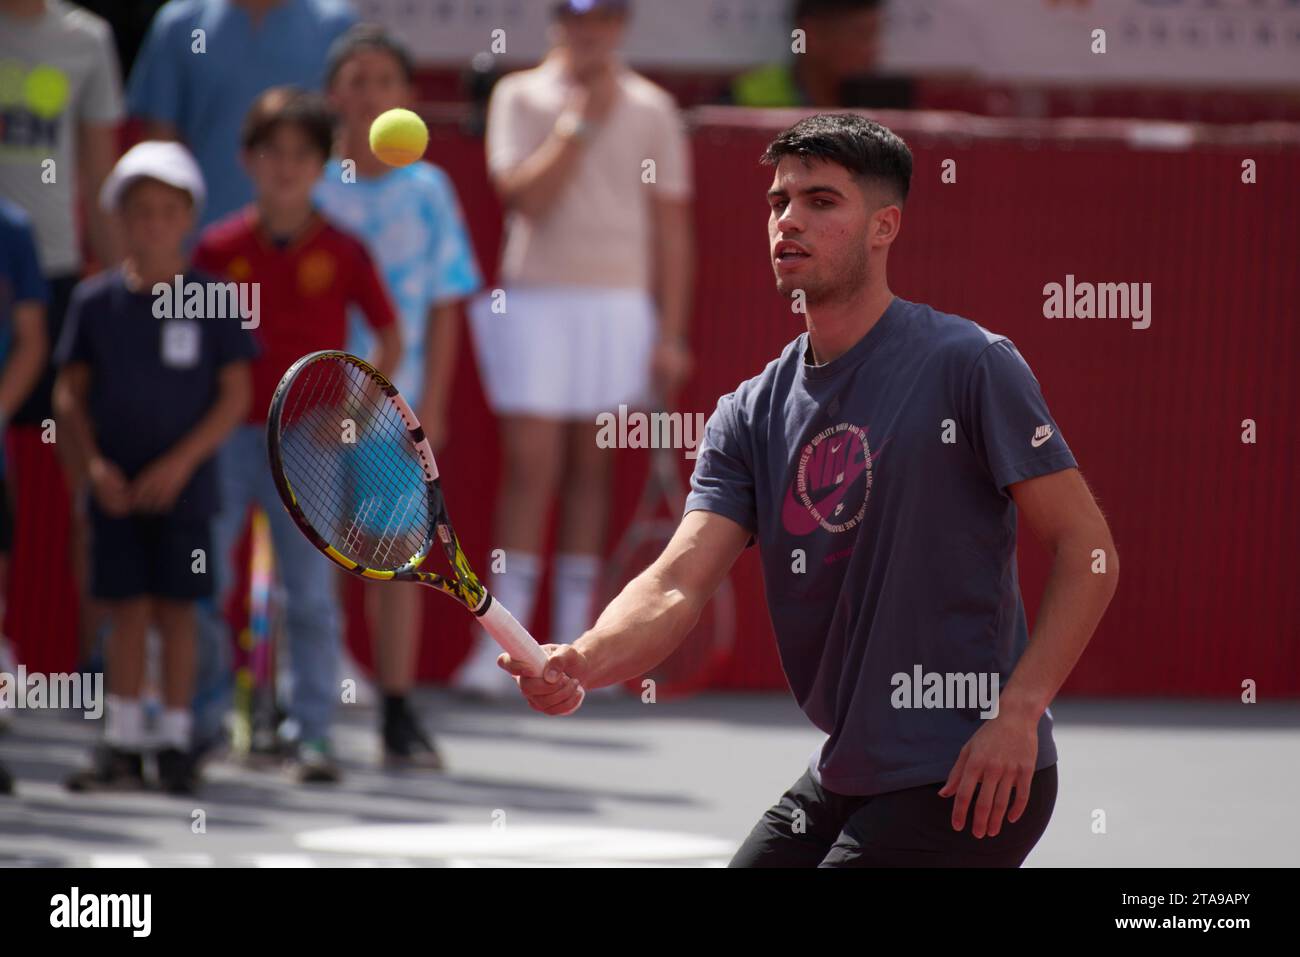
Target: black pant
[{"x": 909, "y": 828}]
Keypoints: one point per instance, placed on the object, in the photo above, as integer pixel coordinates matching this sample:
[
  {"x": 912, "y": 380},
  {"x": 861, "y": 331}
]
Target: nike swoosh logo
[
  {"x": 797, "y": 520},
  {"x": 1037, "y": 441}
]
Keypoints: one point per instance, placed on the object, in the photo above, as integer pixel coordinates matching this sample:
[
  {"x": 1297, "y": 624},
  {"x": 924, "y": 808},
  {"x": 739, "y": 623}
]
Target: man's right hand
[
  {"x": 559, "y": 690},
  {"x": 111, "y": 489},
  {"x": 594, "y": 95}
]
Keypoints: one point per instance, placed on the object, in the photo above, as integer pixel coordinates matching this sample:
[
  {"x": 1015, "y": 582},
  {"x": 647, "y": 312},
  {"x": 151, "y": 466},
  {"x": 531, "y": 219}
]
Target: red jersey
[{"x": 305, "y": 289}]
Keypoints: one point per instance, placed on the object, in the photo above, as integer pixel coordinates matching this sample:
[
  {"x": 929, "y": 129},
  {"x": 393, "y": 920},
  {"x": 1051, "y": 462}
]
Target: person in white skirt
[{"x": 592, "y": 165}]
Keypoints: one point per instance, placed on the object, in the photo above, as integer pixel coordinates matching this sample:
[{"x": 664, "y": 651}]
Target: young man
[
  {"x": 308, "y": 273},
  {"x": 23, "y": 349},
  {"x": 880, "y": 463},
  {"x": 146, "y": 402},
  {"x": 596, "y": 273},
  {"x": 201, "y": 97},
  {"x": 63, "y": 103},
  {"x": 411, "y": 223}
]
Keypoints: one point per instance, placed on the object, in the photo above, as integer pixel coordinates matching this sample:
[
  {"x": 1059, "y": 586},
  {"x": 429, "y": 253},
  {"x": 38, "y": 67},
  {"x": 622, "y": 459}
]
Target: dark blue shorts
[{"x": 148, "y": 555}]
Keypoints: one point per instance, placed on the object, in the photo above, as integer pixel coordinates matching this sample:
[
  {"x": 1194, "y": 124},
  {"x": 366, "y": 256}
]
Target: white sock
[
  {"x": 124, "y": 719},
  {"x": 174, "y": 728},
  {"x": 516, "y": 586},
  {"x": 572, "y": 592}
]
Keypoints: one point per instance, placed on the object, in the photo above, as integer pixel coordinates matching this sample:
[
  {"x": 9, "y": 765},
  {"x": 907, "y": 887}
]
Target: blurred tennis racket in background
[
  {"x": 256, "y": 717},
  {"x": 708, "y": 646}
]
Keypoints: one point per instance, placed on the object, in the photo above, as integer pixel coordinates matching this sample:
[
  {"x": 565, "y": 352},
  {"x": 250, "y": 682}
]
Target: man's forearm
[
  {"x": 442, "y": 343},
  {"x": 636, "y": 631},
  {"x": 232, "y": 405},
  {"x": 674, "y": 279},
  {"x": 1074, "y": 599},
  {"x": 27, "y": 362},
  {"x": 97, "y": 154},
  {"x": 532, "y": 187},
  {"x": 78, "y": 446}
]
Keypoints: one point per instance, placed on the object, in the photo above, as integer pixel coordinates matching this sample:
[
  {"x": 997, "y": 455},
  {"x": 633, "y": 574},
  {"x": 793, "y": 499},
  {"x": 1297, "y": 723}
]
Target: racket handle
[{"x": 515, "y": 639}]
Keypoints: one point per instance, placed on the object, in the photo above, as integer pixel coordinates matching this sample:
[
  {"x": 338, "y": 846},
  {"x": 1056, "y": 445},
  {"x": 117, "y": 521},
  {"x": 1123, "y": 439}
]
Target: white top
[{"x": 598, "y": 231}]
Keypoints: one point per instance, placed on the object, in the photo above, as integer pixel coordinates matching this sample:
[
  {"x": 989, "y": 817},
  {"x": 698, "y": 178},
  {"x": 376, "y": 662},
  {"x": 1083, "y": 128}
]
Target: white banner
[{"x": 1158, "y": 42}]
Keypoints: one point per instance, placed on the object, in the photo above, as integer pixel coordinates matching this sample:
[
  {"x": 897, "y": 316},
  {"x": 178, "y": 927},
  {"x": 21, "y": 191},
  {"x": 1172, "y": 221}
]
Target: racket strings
[{"x": 349, "y": 458}]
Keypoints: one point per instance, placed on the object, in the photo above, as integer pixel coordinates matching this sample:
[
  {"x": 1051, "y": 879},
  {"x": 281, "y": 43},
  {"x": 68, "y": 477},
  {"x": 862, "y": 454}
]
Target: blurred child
[
  {"x": 410, "y": 220},
  {"x": 23, "y": 348},
  {"x": 147, "y": 396},
  {"x": 310, "y": 273}
]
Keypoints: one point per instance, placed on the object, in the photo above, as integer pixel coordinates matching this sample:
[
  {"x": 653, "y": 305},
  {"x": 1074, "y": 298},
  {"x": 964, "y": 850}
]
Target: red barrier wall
[{"x": 1205, "y": 525}]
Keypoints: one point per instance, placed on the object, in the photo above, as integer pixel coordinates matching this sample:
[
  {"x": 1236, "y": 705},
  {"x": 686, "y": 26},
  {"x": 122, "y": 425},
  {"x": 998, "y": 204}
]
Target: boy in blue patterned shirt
[{"x": 411, "y": 223}]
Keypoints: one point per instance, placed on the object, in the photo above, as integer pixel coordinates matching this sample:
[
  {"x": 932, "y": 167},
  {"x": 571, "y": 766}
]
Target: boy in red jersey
[{"x": 302, "y": 274}]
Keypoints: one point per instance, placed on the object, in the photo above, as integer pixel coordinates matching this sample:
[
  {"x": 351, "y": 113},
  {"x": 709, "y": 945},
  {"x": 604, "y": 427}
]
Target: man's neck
[
  {"x": 142, "y": 273},
  {"x": 23, "y": 9},
  {"x": 834, "y": 328}
]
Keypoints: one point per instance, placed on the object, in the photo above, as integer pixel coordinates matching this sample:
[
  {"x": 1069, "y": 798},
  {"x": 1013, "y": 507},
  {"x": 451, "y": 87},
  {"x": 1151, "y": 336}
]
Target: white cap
[{"x": 166, "y": 162}]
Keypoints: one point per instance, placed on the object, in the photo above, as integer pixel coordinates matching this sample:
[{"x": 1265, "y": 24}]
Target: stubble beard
[{"x": 844, "y": 280}]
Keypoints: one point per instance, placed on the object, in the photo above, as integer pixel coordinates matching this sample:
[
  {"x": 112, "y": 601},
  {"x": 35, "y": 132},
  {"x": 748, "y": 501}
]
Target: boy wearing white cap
[{"x": 146, "y": 392}]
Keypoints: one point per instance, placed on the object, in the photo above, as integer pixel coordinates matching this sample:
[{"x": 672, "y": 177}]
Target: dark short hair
[
  {"x": 804, "y": 9},
  {"x": 289, "y": 106},
  {"x": 366, "y": 36},
  {"x": 865, "y": 148}
]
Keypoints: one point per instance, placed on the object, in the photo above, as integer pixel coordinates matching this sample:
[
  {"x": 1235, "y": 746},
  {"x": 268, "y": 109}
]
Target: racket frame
[{"x": 465, "y": 587}]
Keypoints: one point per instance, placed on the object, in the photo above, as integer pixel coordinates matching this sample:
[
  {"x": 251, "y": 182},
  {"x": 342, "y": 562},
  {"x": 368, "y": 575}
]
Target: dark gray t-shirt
[{"x": 876, "y": 487}]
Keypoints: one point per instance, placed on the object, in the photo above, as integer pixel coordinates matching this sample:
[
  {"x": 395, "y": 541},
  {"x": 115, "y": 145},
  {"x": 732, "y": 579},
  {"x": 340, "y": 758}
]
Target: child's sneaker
[
  {"x": 406, "y": 745},
  {"x": 314, "y": 764},
  {"x": 112, "y": 770},
  {"x": 176, "y": 771}
]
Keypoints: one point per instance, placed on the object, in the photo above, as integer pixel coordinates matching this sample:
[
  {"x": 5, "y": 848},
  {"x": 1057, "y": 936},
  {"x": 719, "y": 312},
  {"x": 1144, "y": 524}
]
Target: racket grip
[{"x": 515, "y": 639}]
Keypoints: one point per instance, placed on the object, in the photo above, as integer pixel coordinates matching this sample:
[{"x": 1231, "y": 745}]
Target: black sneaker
[
  {"x": 313, "y": 763},
  {"x": 6, "y": 781},
  {"x": 407, "y": 746},
  {"x": 176, "y": 771},
  {"x": 112, "y": 770}
]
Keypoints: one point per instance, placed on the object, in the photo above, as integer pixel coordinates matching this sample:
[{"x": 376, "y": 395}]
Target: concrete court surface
[{"x": 1181, "y": 783}]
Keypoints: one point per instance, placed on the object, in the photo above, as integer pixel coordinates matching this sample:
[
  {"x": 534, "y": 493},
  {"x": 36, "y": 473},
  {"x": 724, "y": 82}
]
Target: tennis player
[{"x": 880, "y": 462}]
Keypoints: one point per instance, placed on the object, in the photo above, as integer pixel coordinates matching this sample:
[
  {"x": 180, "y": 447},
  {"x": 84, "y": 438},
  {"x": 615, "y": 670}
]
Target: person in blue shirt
[
  {"x": 23, "y": 348},
  {"x": 411, "y": 223},
  {"x": 880, "y": 463},
  {"x": 146, "y": 393},
  {"x": 198, "y": 88}
]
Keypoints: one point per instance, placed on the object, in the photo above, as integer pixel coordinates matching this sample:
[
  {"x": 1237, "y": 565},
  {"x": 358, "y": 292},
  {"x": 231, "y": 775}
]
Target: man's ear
[{"x": 885, "y": 224}]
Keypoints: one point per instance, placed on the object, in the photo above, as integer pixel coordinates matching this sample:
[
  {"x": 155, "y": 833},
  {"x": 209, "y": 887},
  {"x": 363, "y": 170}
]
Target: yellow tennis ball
[{"x": 398, "y": 137}]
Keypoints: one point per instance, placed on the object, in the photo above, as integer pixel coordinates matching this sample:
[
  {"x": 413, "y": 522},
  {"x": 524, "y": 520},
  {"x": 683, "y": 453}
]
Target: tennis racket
[
  {"x": 707, "y": 647},
  {"x": 356, "y": 473},
  {"x": 256, "y": 717}
]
